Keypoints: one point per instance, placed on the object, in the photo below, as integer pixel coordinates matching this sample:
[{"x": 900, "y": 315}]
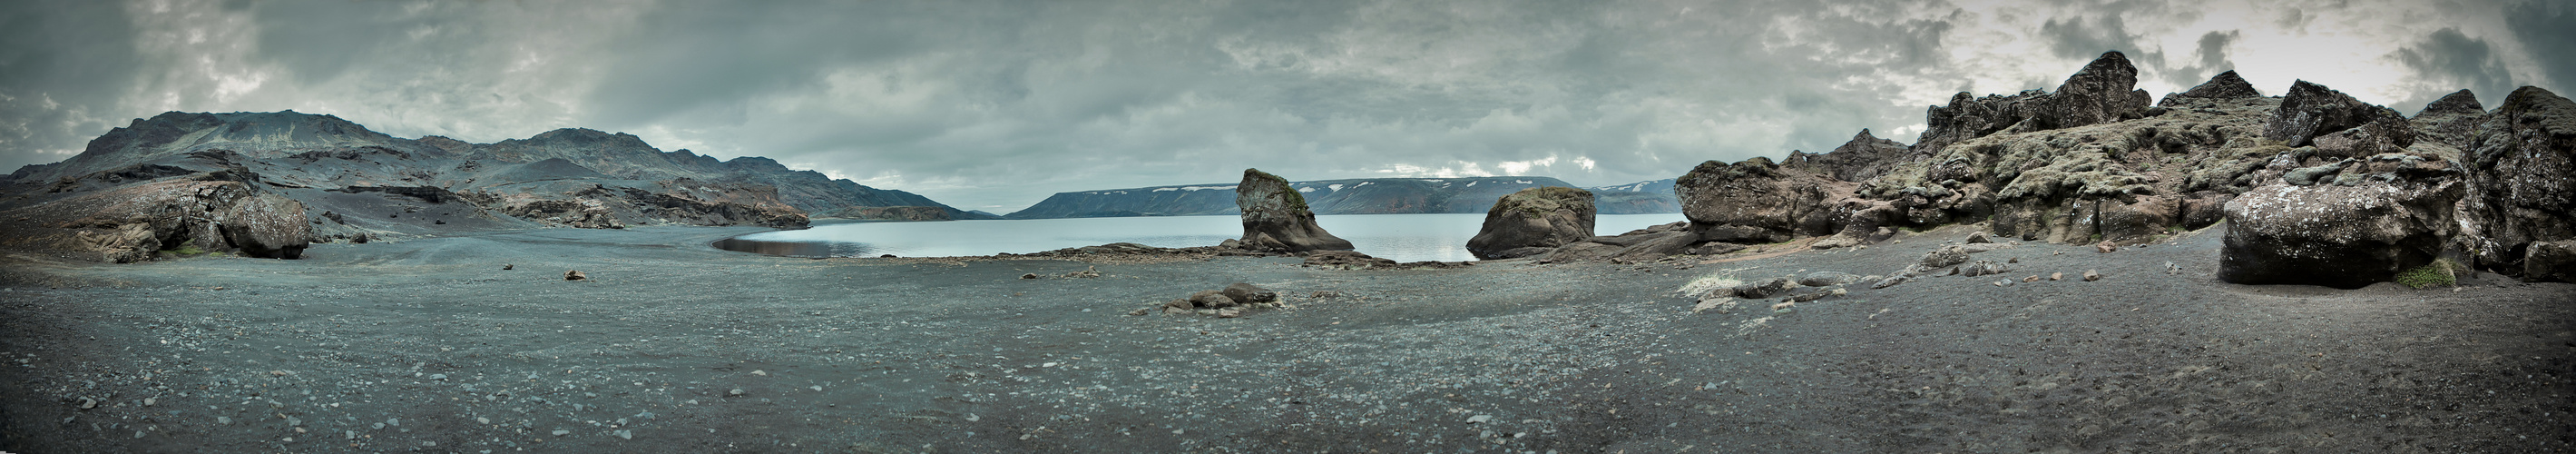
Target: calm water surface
[{"x": 1400, "y": 237}]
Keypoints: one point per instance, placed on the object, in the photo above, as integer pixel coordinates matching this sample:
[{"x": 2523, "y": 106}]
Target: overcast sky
[{"x": 995, "y": 105}]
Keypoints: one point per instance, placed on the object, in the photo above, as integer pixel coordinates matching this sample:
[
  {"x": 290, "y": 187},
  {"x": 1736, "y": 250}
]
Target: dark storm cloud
[
  {"x": 2547, "y": 31},
  {"x": 51, "y": 72},
  {"x": 994, "y": 105},
  {"x": 2447, "y": 58}
]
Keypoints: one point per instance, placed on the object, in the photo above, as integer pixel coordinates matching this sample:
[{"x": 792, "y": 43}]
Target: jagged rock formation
[
  {"x": 1533, "y": 221},
  {"x": 1353, "y": 196},
  {"x": 2104, "y": 91},
  {"x": 347, "y": 182},
  {"x": 2339, "y": 126},
  {"x": 1276, "y": 218},
  {"x": 2226, "y": 85},
  {"x": 2373, "y": 191},
  {"x": 2521, "y": 160}
]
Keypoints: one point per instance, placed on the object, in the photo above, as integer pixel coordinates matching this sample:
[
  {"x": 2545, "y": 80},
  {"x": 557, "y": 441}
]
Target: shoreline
[{"x": 431, "y": 338}]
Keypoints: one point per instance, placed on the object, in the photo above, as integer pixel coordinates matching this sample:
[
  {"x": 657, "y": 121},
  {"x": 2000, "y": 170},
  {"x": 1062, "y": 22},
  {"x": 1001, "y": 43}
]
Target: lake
[{"x": 1400, "y": 237}]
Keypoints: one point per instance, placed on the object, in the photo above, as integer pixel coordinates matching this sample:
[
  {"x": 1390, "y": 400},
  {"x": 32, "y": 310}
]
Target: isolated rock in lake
[
  {"x": 1533, "y": 218},
  {"x": 1275, "y": 217},
  {"x": 2400, "y": 218},
  {"x": 2338, "y": 125}
]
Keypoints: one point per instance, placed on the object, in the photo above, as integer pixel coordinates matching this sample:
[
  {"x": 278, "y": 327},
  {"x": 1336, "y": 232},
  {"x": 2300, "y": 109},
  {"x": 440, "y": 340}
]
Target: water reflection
[{"x": 1401, "y": 237}]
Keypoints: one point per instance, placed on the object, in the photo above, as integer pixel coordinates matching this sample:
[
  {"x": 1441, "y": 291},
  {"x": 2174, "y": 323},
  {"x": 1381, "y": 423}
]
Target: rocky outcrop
[
  {"x": 2522, "y": 159},
  {"x": 1533, "y": 221},
  {"x": 2338, "y": 125},
  {"x": 2226, "y": 85},
  {"x": 1276, "y": 218},
  {"x": 2397, "y": 215},
  {"x": 1864, "y": 157},
  {"x": 2550, "y": 261},
  {"x": 223, "y": 211},
  {"x": 2104, "y": 91},
  {"x": 2452, "y": 120}
]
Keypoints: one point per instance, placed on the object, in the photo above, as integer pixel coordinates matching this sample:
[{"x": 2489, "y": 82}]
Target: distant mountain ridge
[
  {"x": 1347, "y": 196},
  {"x": 571, "y": 177}
]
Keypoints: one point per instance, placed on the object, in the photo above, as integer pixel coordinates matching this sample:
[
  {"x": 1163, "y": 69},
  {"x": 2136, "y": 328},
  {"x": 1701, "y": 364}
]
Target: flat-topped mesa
[
  {"x": 2104, "y": 91},
  {"x": 1276, "y": 219},
  {"x": 2338, "y": 125},
  {"x": 2226, "y": 85},
  {"x": 1533, "y": 221}
]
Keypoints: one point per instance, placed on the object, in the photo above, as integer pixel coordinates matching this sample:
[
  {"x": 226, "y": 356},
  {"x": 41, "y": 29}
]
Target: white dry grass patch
[{"x": 1713, "y": 281}]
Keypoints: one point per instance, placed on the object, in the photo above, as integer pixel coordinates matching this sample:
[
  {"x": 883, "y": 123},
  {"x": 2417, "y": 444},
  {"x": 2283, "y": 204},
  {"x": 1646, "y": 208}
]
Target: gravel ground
[{"x": 671, "y": 346}]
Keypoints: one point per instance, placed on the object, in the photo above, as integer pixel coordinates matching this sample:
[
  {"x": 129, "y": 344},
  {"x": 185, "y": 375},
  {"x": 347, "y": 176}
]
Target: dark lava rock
[
  {"x": 1248, "y": 293},
  {"x": 2522, "y": 159},
  {"x": 1275, "y": 217},
  {"x": 1758, "y": 201},
  {"x": 1944, "y": 257},
  {"x": 575, "y": 275},
  {"x": 1212, "y": 299},
  {"x": 268, "y": 225},
  {"x": 2550, "y": 261},
  {"x": 1764, "y": 289},
  {"x": 2226, "y": 85},
  {"x": 2338, "y": 236},
  {"x": 2338, "y": 125},
  {"x": 2457, "y": 103},
  {"x": 1345, "y": 260},
  {"x": 1544, "y": 217},
  {"x": 2104, "y": 91}
]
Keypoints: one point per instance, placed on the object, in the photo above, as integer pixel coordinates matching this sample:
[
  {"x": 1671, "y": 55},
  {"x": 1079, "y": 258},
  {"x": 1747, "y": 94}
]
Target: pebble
[
  {"x": 760, "y": 373},
  {"x": 350, "y": 434},
  {"x": 393, "y": 421},
  {"x": 623, "y": 434},
  {"x": 88, "y": 403},
  {"x": 817, "y": 387},
  {"x": 438, "y": 376},
  {"x": 734, "y": 392},
  {"x": 1479, "y": 418},
  {"x": 225, "y": 420},
  {"x": 148, "y": 401},
  {"x": 646, "y": 415},
  {"x": 482, "y": 420},
  {"x": 561, "y": 432}
]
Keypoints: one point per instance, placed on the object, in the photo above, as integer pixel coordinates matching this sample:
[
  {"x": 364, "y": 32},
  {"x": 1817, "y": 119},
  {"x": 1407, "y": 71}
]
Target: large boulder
[
  {"x": 2522, "y": 159},
  {"x": 2398, "y": 217},
  {"x": 2338, "y": 125},
  {"x": 2226, "y": 85},
  {"x": 1755, "y": 200},
  {"x": 2550, "y": 261},
  {"x": 1543, "y": 217},
  {"x": 1275, "y": 217},
  {"x": 267, "y": 225}
]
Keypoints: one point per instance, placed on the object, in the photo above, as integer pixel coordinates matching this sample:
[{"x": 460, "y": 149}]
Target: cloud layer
[{"x": 995, "y": 105}]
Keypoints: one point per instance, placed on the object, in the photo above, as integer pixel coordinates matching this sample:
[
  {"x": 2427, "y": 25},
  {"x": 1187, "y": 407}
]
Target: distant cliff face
[
  {"x": 1358, "y": 196},
  {"x": 356, "y": 183}
]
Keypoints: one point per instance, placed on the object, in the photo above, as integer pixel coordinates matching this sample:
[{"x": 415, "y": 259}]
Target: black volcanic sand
[{"x": 429, "y": 345}]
